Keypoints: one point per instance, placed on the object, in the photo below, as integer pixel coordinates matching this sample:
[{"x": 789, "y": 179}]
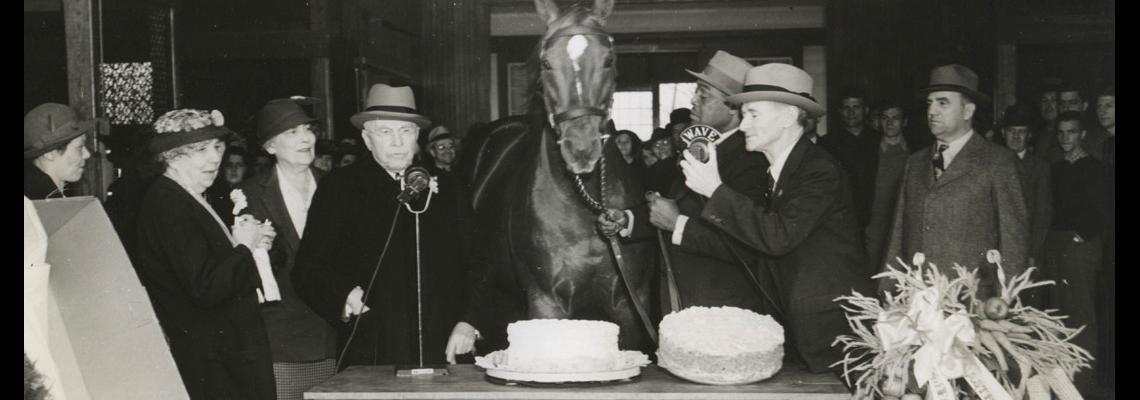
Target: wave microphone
[{"x": 416, "y": 180}]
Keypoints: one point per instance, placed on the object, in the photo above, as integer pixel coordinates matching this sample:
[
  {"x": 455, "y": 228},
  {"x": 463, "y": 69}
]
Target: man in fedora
[
  {"x": 1033, "y": 170},
  {"x": 54, "y": 150},
  {"x": 441, "y": 146},
  {"x": 705, "y": 279},
  {"x": 302, "y": 345},
  {"x": 961, "y": 196},
  {"x": 803, "y": 229},
  {"x": 360, "y": 261}
]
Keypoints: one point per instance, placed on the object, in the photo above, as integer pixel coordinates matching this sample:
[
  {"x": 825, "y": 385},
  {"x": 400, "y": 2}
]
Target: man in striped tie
[{"x": 961, "y": 196}]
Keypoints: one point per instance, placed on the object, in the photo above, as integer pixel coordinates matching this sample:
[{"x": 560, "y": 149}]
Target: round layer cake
[
  {"x": 722, "y": 345},
  {"x": 562, "y": 345}
]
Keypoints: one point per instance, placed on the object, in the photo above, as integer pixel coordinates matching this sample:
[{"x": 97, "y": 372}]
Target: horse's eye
[
  {"x": 546, "y": 65},
  {"x": 609, "y": 62}
]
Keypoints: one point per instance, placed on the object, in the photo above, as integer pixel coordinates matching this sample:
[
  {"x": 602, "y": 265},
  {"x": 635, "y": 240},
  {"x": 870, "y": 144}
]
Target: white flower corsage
[
  {"x": 434, "y": 185},
  {"x": 238, "y": 197}
]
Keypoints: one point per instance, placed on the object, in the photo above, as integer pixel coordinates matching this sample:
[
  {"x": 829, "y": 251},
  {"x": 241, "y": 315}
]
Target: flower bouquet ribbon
[
  {"x": 943, "y": 352},
  {"x": 269, "y": 290}
]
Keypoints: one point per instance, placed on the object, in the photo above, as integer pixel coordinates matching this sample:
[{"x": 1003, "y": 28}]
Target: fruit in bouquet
[{"x": 996, "y": 308}]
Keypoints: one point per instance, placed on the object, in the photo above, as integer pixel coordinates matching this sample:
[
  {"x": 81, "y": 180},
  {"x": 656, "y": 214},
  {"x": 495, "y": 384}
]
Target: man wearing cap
[
  {"x": 54, "y": 150},
  {"x": 441, "y": 147},
  {"x": 803, "y": 227},
  {"x": 1033, "y": 171},
  {"x": 358, "y": 262},
  {"x": 303, "y": 345},
  {"x": 712, "y": 279},
  {"x": 962, "y": 196}
]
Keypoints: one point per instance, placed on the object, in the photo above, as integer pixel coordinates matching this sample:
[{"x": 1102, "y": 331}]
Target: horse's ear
[
  {"x": 547, "y": 10},
  {"x": 603, "y": 8}
]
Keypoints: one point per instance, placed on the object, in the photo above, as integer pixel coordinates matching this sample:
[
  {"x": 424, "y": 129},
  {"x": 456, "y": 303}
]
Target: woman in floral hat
[{"x": 200, "y": 276}]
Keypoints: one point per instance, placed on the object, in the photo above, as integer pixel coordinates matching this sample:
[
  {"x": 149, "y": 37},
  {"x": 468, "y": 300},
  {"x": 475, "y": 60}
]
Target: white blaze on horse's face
[{"x": 574, "y": 49}]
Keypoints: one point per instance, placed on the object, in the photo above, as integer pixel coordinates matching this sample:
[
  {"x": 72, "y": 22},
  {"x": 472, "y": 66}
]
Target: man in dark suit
[
  {"x": 963, "y": 199},
  {"x": 1033, "y": 171},
  {"x": 360, "y": 258},
  {"x": 856, "y": 145},
  {"x": 303, "y": 345},
  {"x": 804, "y": 227},
  {"x": 713, "y": 279}
]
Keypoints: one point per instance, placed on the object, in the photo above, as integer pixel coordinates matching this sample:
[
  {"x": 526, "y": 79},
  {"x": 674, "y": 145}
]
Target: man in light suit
[
  {"x": 962, "y": 196},
  {"x": 804, "y": 228}
]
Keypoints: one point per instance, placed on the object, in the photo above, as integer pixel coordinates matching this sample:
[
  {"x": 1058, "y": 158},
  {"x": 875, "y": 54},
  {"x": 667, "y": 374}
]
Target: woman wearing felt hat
[
  {"x": 200, "y": 276},
  {"x": 302, "y": 344},
  {"x": 54, "y": 150}
]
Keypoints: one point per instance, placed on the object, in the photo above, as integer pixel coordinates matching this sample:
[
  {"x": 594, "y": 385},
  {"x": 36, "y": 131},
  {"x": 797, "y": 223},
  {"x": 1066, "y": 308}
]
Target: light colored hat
[
  {"x": 439, "y": 133},
  {"x": 954, "y": 78},
  {"x": 185, "y": 126},
  {"x": 725, "y": 72},
  {"x": 49, "y": 125},
  {"x": 781, "y": 83},
  {"x": 387, "y": 102}
]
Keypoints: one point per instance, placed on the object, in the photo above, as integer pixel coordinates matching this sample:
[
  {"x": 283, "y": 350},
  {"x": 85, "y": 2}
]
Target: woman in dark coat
[{"x": 201, "y": 279}]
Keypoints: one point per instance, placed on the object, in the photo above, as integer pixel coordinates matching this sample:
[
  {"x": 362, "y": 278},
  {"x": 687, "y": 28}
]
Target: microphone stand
[{"x": 420, "y": 369}]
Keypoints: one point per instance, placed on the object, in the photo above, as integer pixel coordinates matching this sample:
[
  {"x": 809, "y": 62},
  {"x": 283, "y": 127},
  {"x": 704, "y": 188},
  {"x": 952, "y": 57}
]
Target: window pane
[
  {"x": 634, "y": 111},
  {"x": 672, "y": 96}
]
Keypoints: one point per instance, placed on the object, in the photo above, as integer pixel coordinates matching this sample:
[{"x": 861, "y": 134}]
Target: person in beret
[
  {"x": 200, "y": 275},
  {"x": 54, "y": 150}
]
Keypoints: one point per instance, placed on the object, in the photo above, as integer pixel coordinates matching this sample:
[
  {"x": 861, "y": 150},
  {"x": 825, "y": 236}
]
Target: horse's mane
[{"x": 575, "y": 14}]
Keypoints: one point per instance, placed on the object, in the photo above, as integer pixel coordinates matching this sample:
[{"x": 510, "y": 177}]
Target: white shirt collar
[
  {"x": 1021, "y": 154},
  {"x": 778, "y": 164},
  {"x": 954, "y": 147},
  {"x": 296, "y": 203}
]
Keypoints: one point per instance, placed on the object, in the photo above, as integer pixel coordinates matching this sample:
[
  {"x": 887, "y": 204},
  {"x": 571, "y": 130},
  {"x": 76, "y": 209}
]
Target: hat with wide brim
[
  {"x": 781, "y": 83},
  {"x": 185, "y": 126},
  {"x": 725, "y": 72},
  {"x": 280, "y": 115},
  {"x": 49, "y": 125},
  {"x": 390, "y": 103},
  {"x": 954, "y": 78}
]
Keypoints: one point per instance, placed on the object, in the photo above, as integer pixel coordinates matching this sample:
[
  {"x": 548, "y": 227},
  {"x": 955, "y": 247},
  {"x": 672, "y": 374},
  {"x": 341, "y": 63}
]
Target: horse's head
[{"x": 578, "y": 71}]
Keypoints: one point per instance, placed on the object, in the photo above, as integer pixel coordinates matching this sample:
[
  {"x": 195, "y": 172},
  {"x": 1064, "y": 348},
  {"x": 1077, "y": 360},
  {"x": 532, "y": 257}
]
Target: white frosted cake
[
  {"x": 563, "y": 347},
  {"x": 722, "y": 345}
]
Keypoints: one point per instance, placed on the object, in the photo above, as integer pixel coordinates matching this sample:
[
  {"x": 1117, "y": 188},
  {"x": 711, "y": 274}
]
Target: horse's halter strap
[{"x": 581, "y": 111}]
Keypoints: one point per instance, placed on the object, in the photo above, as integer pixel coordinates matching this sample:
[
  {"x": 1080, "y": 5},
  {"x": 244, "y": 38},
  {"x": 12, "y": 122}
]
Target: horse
[{"x": 538, "y": 182}]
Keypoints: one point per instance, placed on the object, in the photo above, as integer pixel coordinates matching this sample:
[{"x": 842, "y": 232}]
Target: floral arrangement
[
  {"x": 185, "y": 120},
  {"x": 935, "y": 336}
]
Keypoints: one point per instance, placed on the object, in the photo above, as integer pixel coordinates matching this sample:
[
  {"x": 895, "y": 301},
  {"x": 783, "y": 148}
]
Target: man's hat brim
[
  {"x": 79, "y": 128},
  {"x": 812, "y": 108},
  {"x": 972, "y": 94},
  {"x": 706, "y": 79},
  {"x": 360, "y": 118}
]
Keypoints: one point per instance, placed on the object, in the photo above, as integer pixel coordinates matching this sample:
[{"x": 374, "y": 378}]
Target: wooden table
[{"x": 467, "y": 382}]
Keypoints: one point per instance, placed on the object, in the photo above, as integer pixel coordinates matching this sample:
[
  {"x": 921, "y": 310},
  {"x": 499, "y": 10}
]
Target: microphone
[{"x": 416, "y": 180}]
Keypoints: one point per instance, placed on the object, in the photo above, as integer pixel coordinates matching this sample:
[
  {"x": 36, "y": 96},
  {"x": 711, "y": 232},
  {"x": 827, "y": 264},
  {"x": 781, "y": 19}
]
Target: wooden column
[
  {"x": 863, "y": 40},
  {"x": 80, "y": 21},
  {"x": 319, "y": 71},
  {"x": 1005, "y": 80},
  {"x": 456, "y": 60}
]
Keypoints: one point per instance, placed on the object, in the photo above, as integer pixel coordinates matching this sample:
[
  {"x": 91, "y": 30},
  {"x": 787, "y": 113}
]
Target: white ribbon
[{"x": 942, "y": 353}]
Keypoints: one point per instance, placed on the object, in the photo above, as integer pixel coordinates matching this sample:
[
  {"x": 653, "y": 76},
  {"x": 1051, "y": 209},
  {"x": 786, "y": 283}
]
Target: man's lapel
[
  {"x": 965, "y": 163},
  {"x": 795, "y": 158}
]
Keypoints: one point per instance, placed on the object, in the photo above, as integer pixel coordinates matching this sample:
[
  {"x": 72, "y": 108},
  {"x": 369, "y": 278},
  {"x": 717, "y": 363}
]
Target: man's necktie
[
  {"x": 939, "y": 164},
  {"x": 768, "y": 192}
]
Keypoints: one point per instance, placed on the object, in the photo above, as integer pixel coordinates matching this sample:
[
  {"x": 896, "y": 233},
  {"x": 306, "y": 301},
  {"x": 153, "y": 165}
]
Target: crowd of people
[{"x": 781, "y": 219}]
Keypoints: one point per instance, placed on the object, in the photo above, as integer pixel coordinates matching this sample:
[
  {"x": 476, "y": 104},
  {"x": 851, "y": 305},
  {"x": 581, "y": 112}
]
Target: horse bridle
[{"x": 580, "y": 111}]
